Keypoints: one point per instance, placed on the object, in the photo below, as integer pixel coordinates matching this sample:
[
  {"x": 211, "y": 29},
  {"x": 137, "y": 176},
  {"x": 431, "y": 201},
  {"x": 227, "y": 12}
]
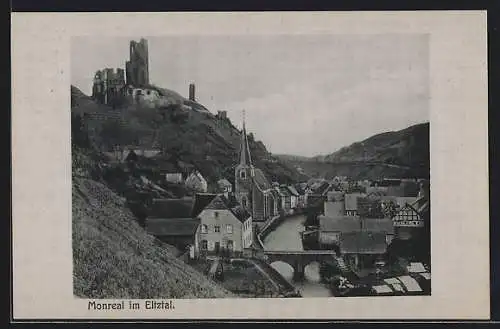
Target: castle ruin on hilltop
[
  {"x": 110, "y": 85},
  {"x": 118, "y": 87}
]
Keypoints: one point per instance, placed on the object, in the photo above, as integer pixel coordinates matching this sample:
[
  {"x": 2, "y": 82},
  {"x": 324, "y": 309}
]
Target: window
[
  {"x": 244, "y": 202},
  {"x": 216, "y": 215},
  {"x": 230, "y": 245},
  {"x": 229, "y": 228},
  {"x": 217, "y": 229},
  {"x": 243, "y": 174},
  {"x": 204, "y": 228},
  {"x": 204, "y": 244}
]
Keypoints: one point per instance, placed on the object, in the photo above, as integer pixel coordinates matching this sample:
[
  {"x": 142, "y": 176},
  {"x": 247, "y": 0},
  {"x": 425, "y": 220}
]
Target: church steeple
[{"x": 245, "y": 158}]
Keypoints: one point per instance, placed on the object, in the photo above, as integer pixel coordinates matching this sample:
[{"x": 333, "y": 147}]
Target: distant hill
[{"x": 403, "y": 153}]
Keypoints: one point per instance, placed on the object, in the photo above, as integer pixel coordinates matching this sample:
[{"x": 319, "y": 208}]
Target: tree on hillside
[
  {"x": 79, "y": 136},
  {"x": 114, "y": 133}
]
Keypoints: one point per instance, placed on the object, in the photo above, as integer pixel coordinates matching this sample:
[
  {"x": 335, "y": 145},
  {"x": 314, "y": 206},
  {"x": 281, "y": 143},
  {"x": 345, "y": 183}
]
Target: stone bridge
[{"x": 298, "y": 260}]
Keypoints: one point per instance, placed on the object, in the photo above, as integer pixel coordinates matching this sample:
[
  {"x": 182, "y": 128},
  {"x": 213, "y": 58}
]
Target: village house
[
  {"x": 224, "y": 186},
  {"x": 252, "y": 189},
  {"x": 286, "y": 199},
  {"x": 225, "y": 226},
  {"x": 174, "y": 178},
  {"x": 361, "y": 241},
  {"x": 318, "y": 188},
  {"x": 196, "y": 182},
  {"x": 351, "y": 203},
  {"x": 294, "y": 197},
  {"x": 412, "y": 217},
  {"x": 406, "y": 221},
  {"x": 301, "y": 189},
  {"x": 335, "y": 204},
  {"x": 170, "y": 221}
]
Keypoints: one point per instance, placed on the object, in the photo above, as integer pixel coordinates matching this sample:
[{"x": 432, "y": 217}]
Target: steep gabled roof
[
  {"x": 223, "y": 182},
  {"x": 220, "y": 202},
  {"x": 321, "y": 188},
  {"x": 378, "y": 225},
  {"x": 284, "y": 191},
  {"x": 340, "y": 224},
  {"x": 292, "y": 190},
  {"x": 245, "y": 157},
  {"x": 201, "y": 200},
  {"x": 171, "y": 208},
  {"x": 261, "y": 180},
  {"x": 171, "y": 226},
  {"x": 363, "y": 243}
]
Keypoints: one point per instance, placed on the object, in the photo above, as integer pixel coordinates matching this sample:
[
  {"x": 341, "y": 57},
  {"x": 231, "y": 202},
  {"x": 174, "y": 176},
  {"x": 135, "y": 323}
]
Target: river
[{"x": 287, "y": 237}]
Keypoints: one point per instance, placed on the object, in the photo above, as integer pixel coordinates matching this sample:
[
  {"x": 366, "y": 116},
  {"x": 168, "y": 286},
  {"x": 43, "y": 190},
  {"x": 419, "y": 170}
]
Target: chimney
[{"x": 191, "y": 93}]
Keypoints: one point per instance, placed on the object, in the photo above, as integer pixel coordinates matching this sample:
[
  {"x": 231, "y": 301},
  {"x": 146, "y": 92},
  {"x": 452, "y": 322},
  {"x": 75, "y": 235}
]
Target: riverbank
[
  {"x": 247, "y": 277},
  {"x": 286, "y": 237}
]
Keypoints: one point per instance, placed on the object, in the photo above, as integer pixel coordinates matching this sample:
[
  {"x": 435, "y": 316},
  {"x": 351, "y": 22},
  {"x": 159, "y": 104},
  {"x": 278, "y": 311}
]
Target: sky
[{"x": 302, "y": 94}]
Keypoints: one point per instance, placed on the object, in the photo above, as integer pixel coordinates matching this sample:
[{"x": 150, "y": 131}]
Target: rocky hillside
[
  {"x": 113, "y": 257},
  {"x": 193, "y": 137},
  {"x": 403, "y": 153}
]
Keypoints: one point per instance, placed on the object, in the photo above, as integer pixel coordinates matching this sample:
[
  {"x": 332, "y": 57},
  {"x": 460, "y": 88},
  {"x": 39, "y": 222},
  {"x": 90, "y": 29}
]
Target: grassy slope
[{"x": 115, "y": 258}]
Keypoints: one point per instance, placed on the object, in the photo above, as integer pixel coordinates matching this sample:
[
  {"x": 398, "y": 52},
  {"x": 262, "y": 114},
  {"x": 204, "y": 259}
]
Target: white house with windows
[
  {"x": 224, "y": 225},
  {"x": 195, "y": 181}
]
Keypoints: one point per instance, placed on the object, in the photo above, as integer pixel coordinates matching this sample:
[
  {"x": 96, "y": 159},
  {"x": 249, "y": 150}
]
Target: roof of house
[
  {"x": 171, "y": 208},
  {"x": 421, "y": 205},
  {"x": 363, "y": 243},
  {"x": 339, "y": 224},
  {"x": 197, "y": 175},
  {"x": 378, "y": 225},
  {"x": 224, "y": 182},
  {"x": 220, "y": 202},
  {"x": 201, "y": 200},
  {"x": 321, "y": 188},
  {"x": 403, "y": 201},
  {"x": 351, "y": 201},
  {"x": 292, "y": 190},
  {"x": 355, "y": 224},
  {"x": 171, "y": 226},
  {"x": 335, "y": 196},
  {"x": 301, "y": 188},
  {"x": 284, "y": 191},
  {"x": 377, "y": 194},
  {"x": 261, "y": 180}
]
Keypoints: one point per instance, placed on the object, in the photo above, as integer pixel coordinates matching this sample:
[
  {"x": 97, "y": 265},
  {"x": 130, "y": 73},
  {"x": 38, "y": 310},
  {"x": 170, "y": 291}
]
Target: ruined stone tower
[
  {"x": 137, "y": 67},
  {"x": 191, "y": 93}
]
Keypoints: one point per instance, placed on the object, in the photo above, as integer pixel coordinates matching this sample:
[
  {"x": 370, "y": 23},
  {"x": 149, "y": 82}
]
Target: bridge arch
[
  {"x": 300, "y": 261},
  {"x": 312, "y": 271},
  {"x": 286, "y": 270}
]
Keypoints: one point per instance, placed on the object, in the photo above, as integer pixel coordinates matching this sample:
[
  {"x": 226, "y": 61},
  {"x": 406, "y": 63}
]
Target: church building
[{"x": 252, "y": 189}]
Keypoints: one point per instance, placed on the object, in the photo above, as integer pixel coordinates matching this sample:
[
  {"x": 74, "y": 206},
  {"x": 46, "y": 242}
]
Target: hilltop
[{"x": 403, "y": 153}]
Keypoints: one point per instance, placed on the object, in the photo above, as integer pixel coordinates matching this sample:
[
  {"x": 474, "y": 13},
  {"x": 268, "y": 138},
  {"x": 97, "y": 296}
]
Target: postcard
[{"x": 265, "y": 165}]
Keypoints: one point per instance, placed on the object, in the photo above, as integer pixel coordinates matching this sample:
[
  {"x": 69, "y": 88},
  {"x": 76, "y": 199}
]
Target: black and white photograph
[
  {"x": 279, "y": 166},
  {"x": 236, "y": 166}
]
